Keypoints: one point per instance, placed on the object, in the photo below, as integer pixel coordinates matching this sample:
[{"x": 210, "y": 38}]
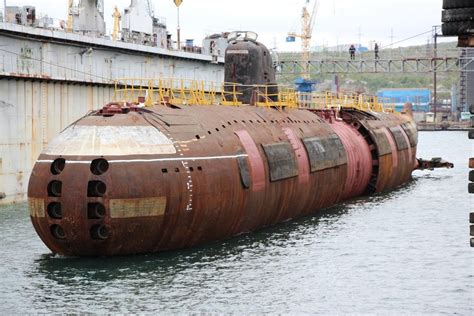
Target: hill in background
[{"x": 371, "y": 83}]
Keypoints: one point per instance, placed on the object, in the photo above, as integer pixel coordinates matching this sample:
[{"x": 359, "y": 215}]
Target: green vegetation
[{"x": 371, "y": 83}]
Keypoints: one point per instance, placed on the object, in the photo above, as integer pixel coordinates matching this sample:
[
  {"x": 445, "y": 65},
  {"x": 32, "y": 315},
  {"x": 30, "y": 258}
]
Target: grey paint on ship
[{"x": 52, "y": 78}]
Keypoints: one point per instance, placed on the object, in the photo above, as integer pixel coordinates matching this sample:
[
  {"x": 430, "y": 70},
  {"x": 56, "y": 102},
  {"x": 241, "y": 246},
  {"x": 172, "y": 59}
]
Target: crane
[
  {"x": 150, "y": 9},
  {"x": 70, "y": 13},
  {"x": 307, "y": 24},
  {"x": 117, "y": 17}
]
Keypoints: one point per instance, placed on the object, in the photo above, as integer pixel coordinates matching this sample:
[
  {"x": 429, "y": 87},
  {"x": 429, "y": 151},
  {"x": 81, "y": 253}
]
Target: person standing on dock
[
  {"x": 376, "y": 51},
  {"x": 352, "y": 51}
]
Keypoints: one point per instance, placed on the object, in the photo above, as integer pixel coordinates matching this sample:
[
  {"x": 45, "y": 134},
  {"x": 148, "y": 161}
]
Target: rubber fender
[
  {"x": 471, "y": 218},
  {"x": 454, "y": 4},
  {"x": 472, "y": 242},
  {"x": 471, "y": 175},
  {"x": 454, "y": 15},
  {"x": 458, "y": 28},
  {"x": 470, "y": 188},
  {"x": 471, "y": 134},
  {"x": 471, "y": 109},
  {"x": 472, "y": 230}
]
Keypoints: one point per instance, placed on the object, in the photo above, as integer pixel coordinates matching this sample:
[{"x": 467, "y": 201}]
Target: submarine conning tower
[
  {"x": 175, "y": 164},
  {"x": 249, "y": 64}
]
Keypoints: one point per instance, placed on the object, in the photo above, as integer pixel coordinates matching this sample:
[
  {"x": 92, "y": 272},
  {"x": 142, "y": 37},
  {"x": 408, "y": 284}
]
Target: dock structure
[
  {"x": 51, "y": 78},
  {"x": 463, "y": 63}
]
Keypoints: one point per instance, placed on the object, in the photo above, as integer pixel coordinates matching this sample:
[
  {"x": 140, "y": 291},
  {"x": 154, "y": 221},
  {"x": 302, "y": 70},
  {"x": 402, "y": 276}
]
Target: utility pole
[
  {"x": 360, "y": 37},
  {"x": 391, "y": 42},
  {"x": 178, "y": 3},
  {"x": 435, "y": 77}
]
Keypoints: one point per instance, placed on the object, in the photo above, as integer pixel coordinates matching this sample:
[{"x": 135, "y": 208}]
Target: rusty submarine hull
[{"x": 128, "y": 179}]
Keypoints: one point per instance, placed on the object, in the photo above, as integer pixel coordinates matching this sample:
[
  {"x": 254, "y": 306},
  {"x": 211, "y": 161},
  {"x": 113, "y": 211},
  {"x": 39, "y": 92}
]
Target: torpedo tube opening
[
  {"x": 58, "y": 232},
  {"x": 99, "y": 166},
  {"x": 96, "y": 189},
  {"x": 95, "y": 211},
  {"x": 55, "y": 188},
  {"x": 58, "y": 166},
  {"x": 99, "y": 232},
  {"x": 55, "y": 210}
]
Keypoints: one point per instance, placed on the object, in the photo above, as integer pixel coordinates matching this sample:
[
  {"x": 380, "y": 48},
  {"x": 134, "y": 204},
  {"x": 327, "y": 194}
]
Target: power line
[
  {"x": 57, "y": 65},
  {"x": 408, "y": 38}
]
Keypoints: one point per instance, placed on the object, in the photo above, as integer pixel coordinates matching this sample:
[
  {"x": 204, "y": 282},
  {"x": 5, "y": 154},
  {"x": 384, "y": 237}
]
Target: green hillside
[{"x": 370, "y": 83}]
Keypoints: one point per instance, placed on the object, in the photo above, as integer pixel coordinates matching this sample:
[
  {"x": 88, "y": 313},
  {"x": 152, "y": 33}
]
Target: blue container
[{"x": 420, "y": 98}]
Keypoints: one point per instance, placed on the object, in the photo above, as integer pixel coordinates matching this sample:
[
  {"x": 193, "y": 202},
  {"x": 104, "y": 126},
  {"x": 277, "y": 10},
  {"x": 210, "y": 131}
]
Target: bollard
[{"x": 471, "y": 218}]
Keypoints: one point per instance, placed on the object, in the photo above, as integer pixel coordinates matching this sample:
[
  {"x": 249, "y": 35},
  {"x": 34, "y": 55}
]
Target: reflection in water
[{"x": 164, "y": 267}]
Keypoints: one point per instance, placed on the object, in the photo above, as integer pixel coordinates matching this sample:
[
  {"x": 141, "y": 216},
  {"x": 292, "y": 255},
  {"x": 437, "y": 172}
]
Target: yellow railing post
[{"x": 193, "y": 92}]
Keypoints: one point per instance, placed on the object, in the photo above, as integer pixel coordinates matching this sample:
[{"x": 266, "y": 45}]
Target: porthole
[
  {"x": 99, "y": 232},
  {"x": 54, "y": 210},
  {"x": 55, "y": 188},
  {"x": 58, "y": 166},
  {"x": 96, "y": 189},
  {"x": 99, "y": 166},
  {"x": 95, "y": 211},
  {"x": 58, "y": 232}
]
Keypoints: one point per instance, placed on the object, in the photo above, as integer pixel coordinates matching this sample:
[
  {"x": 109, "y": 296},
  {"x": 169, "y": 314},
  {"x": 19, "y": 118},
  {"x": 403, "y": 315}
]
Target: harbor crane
[
  {"x": 70, "y": 15},
  {"x": 307, "y": 24}
]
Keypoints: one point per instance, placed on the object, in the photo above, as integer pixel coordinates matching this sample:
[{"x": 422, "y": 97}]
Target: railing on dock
[{"x": 178, "y": 92}]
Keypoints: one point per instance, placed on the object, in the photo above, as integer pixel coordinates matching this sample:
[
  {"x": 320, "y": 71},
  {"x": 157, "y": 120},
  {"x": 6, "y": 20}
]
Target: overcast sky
[{"x": 337, "y": 21}]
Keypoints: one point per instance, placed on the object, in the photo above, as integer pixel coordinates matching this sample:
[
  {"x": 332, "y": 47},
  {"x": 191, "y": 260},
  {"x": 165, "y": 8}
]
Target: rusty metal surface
[
  {"x": 411, "y": 131},
  {"x": 301, "y": 156},
  {"x": 214, "y": 184},
  {"x": 359, "y": 160},
  {"x": 281, "y": 161},
  {"x": 394, "y": 138},
  {"x": 325, "y": 153},
  {"x": 398, "y": 136}
]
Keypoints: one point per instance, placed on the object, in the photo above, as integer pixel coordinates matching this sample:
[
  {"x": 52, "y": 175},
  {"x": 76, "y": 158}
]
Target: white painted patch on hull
[{"x": 110, "y": 141}]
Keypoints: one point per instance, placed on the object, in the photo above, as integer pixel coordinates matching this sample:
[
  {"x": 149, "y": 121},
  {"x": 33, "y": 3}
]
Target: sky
[{"x": 337, "y": 22}]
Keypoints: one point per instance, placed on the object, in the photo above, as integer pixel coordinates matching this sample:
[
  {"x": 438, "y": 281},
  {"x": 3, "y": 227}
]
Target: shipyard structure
[{"x": 53, "y": 72}]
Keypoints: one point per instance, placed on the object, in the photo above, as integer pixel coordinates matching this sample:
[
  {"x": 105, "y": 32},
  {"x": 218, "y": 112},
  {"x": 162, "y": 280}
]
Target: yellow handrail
[{"x": 151, "y": 91}]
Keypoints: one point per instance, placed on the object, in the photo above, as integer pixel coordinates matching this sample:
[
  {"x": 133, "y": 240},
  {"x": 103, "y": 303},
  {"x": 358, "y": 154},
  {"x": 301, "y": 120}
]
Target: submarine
[{"x": 134, "y": 179}]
